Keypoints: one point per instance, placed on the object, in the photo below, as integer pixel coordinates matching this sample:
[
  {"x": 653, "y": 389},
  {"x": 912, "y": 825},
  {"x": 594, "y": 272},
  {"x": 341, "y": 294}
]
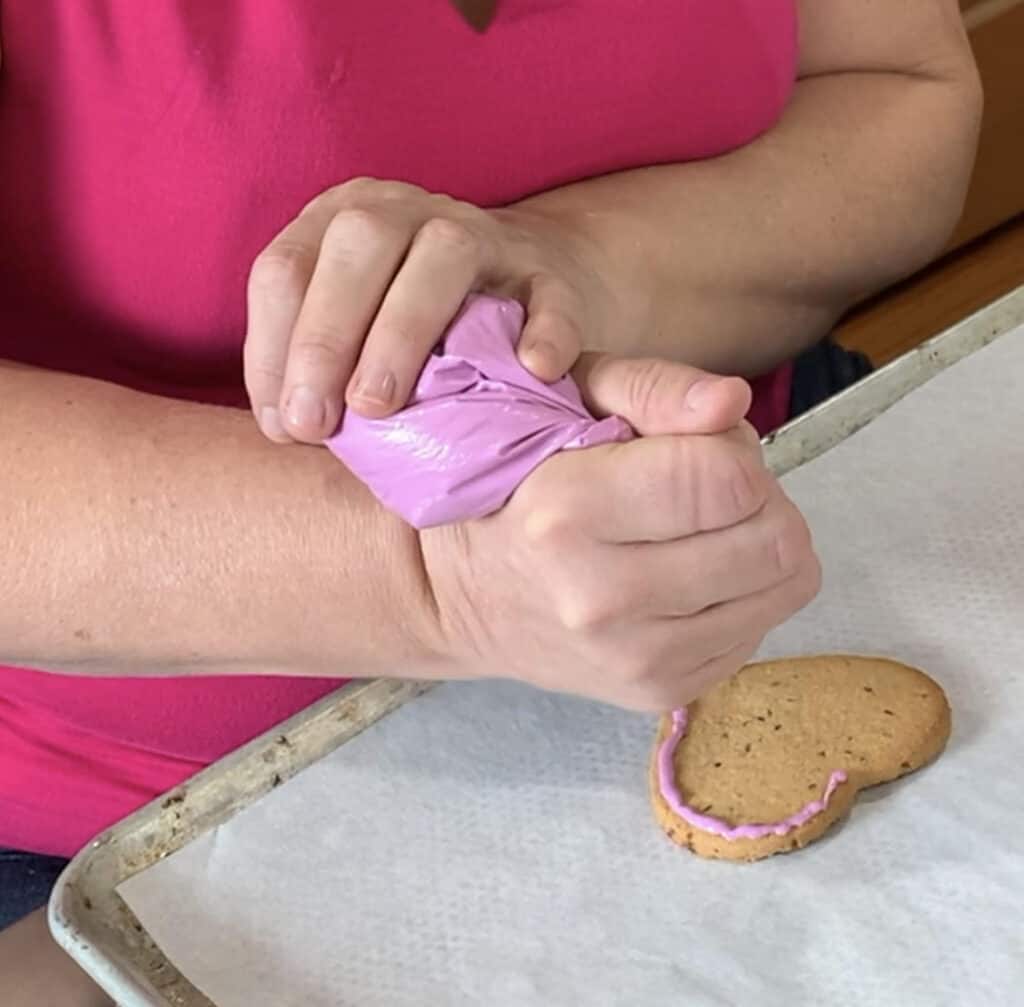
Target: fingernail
[
  {"x": 305, "y": 409},
  {"x": 698, "y": 394},
  {"x": 271, "y": 425},
  {"x": 375, "y": 386}
]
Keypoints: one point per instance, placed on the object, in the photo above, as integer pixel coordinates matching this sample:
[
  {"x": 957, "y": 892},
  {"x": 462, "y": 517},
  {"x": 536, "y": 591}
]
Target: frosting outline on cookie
[{"x": 715, "y": 826}]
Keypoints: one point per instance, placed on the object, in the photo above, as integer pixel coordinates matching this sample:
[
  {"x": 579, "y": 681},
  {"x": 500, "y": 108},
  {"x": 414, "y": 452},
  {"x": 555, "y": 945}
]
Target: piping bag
[{"x": 477, "y": 424}]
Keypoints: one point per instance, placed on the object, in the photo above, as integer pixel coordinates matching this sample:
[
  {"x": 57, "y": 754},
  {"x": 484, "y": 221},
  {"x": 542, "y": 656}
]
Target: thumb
[{"x": 661, "y": 397}]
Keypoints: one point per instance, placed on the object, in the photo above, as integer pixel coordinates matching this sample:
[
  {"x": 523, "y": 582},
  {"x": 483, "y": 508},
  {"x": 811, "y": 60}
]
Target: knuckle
[
  {"x": 583, "y": 610},
  {"x": 350, "y": 228},
  {"x": 671, "y": 485},
  {"x": 791, "y": 542},
  {"x": 552, "y": 499},
  {"x": 362, "y": 190},
  {"x": 644, "y": 383},
  {"x": 319, "y": 349},
  {"x": 798, "y": 591},
  {"x": 352, "y": 192},
  {"x": 744, "y": 486},
  {"x": 442, "y": 232},
  {"x": 547, "y": 525},
  {"x": 390, "y": 191},
  {"x": 282, "y": 264},
  {"x": 557, "y": 328},
  {"x": 358, "y": 186},
  {"x": 327, "y": 197},
  {"x": 750, "y": 436},
  {"x": 404, "y": 334},
  {"x": 810, "y": 580}
]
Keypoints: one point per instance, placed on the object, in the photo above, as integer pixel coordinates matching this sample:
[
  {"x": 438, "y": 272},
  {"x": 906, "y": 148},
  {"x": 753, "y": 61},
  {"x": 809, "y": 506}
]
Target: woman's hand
[
  {"x": 640, "y": 573},
  {"x": 347, "y": 302}
]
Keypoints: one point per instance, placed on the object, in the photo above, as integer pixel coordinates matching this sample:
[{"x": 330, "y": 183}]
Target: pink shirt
[{"x": 149, "y": 150}]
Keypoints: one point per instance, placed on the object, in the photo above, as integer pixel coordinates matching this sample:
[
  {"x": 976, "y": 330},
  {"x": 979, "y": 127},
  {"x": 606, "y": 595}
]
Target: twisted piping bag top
[{"x": 477, "y": 424}]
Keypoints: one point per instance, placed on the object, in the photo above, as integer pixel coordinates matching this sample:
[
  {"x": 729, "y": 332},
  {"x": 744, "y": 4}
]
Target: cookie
[{"x": 767, "y": 761}]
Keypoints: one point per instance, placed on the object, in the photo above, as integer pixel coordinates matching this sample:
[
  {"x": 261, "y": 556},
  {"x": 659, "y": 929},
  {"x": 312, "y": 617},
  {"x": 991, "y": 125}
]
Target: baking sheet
[{"x": 488, "y": 843}]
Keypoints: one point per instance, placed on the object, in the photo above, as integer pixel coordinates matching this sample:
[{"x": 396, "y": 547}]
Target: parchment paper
[{"x": 489, "y": 844}]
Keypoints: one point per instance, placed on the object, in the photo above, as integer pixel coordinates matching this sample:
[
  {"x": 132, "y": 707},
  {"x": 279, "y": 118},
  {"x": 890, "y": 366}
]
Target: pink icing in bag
[{"x": 477, "y": 425}]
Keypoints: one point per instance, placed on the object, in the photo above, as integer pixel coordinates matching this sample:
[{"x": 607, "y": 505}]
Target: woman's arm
[
  {"x": 739, "y": 262},
  {"x": 140, "y": 535},
  {"x": 732, "y": 264}
]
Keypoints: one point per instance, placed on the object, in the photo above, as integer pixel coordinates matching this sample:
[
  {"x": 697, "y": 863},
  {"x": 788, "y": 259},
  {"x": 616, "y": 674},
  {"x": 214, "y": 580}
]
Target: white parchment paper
[{"x": 489, "y": 844}]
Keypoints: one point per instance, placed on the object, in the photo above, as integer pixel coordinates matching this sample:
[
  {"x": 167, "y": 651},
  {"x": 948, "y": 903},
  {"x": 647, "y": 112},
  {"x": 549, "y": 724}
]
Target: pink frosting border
[{"x": 670, "y": 792}]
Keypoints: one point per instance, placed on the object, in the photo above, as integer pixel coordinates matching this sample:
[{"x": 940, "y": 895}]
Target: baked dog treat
[{"x": 765, "y": 762}]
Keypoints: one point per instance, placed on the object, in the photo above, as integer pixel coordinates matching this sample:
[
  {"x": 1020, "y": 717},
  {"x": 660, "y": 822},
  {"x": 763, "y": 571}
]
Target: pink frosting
[
  {"x": 477, "y": 425},
  {"x": 670, "y": 792}
]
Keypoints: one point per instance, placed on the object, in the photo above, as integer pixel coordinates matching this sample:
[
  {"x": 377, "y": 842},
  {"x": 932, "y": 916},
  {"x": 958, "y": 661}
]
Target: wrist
[
  {"x": 613, "y": 276},
  {"x": 422, "y": 647},
  {"x": 370, "y": 596}
]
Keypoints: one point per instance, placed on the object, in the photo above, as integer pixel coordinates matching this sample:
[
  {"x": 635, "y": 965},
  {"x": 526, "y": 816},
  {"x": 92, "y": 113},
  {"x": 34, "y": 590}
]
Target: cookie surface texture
[{"x": 767, "y": 761}]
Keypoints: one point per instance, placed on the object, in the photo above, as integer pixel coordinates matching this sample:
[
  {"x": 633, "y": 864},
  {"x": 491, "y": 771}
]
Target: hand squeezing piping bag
[{"x": 477, "y": 424}]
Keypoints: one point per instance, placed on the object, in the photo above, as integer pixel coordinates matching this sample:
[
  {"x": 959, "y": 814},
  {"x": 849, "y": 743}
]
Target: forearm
[
  {"x": 140, "y": 535},
  {"x": 739, "y": 262}
]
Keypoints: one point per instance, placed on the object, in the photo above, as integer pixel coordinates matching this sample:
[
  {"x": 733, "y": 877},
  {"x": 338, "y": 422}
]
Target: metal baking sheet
[{"x": 92, "y": 922}]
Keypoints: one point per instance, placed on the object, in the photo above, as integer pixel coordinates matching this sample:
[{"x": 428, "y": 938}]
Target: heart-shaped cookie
[{"x": 768, "y": 760}]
